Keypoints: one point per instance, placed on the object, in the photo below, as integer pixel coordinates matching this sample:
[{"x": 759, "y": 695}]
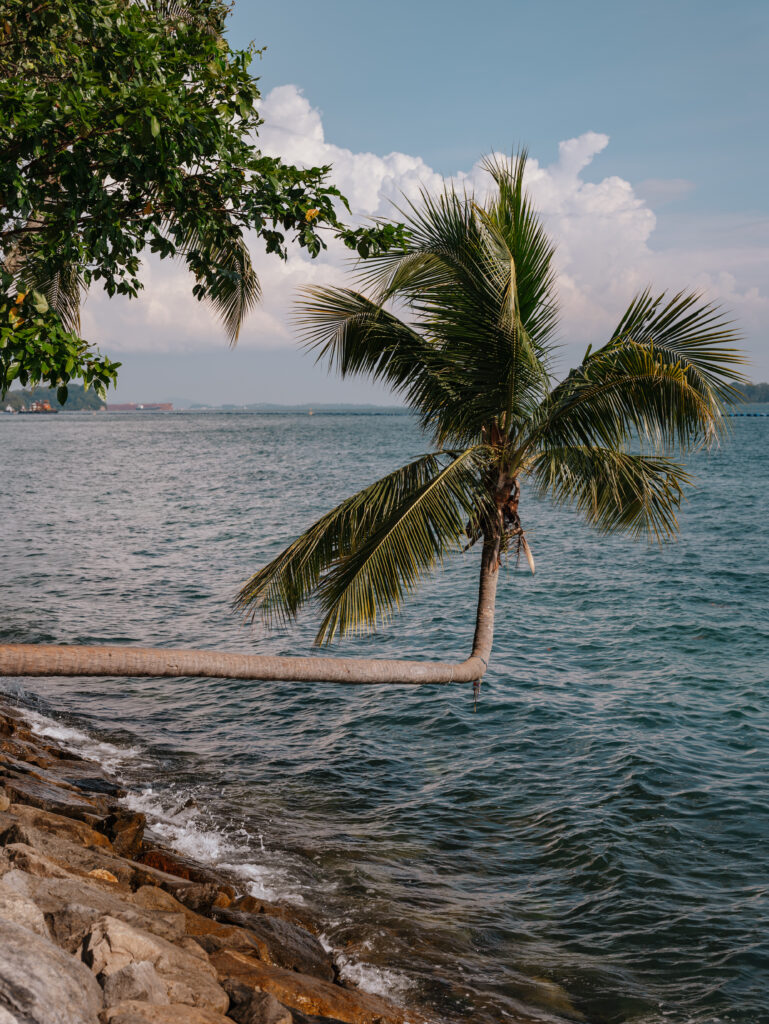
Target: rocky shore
[{"x": 99, "y": 924}]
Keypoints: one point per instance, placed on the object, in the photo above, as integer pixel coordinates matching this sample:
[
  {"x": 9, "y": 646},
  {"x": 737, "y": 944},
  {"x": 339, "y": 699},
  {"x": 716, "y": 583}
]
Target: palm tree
[{"x": 462, "y": 325}]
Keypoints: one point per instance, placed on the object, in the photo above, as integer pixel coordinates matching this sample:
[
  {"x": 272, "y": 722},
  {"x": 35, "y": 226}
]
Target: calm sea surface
[{"x": 593, "y": 843}]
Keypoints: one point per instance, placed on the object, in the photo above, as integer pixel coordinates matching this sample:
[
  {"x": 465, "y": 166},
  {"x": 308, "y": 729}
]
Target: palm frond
[
  {"x": 233, "y": 288},
  {"x": 383, "y": 567},
  {"x": 281, "y": 588},
  {"x": 616, "y": 491}
]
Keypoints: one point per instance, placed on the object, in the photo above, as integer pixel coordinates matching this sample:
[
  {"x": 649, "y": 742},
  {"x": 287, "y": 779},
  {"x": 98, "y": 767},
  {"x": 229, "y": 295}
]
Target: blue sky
[{"x": 679, "y": 89}]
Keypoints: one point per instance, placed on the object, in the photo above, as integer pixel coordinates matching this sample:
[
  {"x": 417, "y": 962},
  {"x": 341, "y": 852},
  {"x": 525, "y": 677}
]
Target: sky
[{"x": 648, "y": 134}]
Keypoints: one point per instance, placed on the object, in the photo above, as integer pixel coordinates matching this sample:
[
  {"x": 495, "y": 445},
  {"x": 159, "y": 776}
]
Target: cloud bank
[{"x": 603, "y": 232}]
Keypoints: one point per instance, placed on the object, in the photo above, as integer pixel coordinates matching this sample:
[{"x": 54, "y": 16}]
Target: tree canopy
[
  {"x": 462, "y": 324},
  {"x": 129, "y": 127}
]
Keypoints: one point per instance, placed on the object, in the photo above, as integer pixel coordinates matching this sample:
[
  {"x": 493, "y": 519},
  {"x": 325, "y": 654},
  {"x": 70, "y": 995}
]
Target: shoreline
[{"x": 84, "y": 883}]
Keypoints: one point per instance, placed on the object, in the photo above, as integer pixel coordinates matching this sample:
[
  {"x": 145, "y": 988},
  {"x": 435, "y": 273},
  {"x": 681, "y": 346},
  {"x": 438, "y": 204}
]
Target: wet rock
[
  {"x": 203, "y": 897},
  {"x": 133, "y": 1012},
  {"x": 72, "y": 906},
  {"x": 47, "y": 797},
  {"x": 22, "y": 911},
  {"x": 287, "y": 944},
  {"x": 254, "y": 905},
  {"x": 60, "y": 826},
  {"x": 135, "y": 981},
  {"x": 173, "y": 865},
  {"x": 250, "y": 1006},
  {"x": 125, "y": 830},
  {"x": 308, "y": 995},
  {"x": 112, "y": 944},
  {"x": 39, "y": 984}
]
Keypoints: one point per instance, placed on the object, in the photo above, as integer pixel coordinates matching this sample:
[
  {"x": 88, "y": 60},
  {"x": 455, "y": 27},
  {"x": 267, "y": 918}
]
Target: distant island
[
  {"x": 77, "y": 400},
  {"x": 755, "y": 392}
]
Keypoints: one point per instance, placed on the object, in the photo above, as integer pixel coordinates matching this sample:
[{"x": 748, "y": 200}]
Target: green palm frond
[
  {"x": 282, "y": 587},
  {"x": 383, "y": 567},
  {"x": 615, "y": 491},
  {"x": 232, "y": 287}
]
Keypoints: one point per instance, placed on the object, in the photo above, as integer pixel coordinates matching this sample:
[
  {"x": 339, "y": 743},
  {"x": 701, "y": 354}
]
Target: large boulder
[
  {"x": 58, "y": 825},
  {"x": 71, "y": 907},
  {"x": 309, "y": 995},
  {"x": 188, "y": 976},
  {"x": 286, "y": 944},
  {"x": 135, "y": 981},
  {"x": 40, "y": 984}
]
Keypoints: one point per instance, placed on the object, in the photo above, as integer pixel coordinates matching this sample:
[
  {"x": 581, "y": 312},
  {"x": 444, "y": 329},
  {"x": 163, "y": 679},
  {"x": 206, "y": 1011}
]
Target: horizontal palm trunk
[{"x": 77, "y": 660}]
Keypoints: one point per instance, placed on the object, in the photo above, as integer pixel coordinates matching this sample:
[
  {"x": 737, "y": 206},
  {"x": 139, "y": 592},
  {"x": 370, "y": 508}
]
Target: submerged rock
[{"x": 40, "y": 984}]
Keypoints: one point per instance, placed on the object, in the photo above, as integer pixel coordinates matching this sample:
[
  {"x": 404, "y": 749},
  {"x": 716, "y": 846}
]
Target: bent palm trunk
[{"x": 76, "y": 660}]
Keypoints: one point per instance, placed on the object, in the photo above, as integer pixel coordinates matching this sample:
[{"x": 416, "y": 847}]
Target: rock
[
  {"x": 125, "y": 830},
  {"x": 132, "y": 1012},
  {"x": 179, "y": 866},
  {"x": 70, "y": 856},
  {"x": 72, "y": 906},
  {"x": 103, "y": 875},
  {"x": 112, "y": 944},
  {"x": 47, "y": 797},
  {"x": 5, "y": 800},
  {"x": 60, "y": 826},
  {"x": 24, "y": 858},
  {"x": 286, "y": 943},
  {"x": 254, "y": 905},
  {"x": 135, "y": 981},
  {"x": 39, "y": 984},
  {"x": 202, "y": 897},
  {"x": 250, "y": 1006},
  {"x": 309, "y": 995},
  {"x": 22, "y": 911}
]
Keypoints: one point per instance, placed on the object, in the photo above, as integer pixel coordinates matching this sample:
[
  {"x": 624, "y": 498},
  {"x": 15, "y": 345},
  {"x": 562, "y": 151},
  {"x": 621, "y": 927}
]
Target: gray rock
[
  {"x": 287, "y": 944},
  {"x": 250, "y": 1006},
  {"x": 40, "y": 984},
  {"x": 135, "y": 981},
  {"x": 134, "y": 1012},
  {"x": 24, "y": 858},
  {"x": 22, "y": 911},
  {"x": 71, "y": 907},
  {"x": 112, "y": 944}
]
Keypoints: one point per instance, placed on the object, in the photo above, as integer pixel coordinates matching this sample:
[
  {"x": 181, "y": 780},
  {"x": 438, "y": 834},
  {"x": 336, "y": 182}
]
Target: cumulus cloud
[{"x": 603, "y": 232}]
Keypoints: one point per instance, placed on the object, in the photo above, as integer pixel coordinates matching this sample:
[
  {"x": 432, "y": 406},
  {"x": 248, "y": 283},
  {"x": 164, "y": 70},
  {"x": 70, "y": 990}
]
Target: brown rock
[
  {"x": 250, "y": 1006},
  {"x": 179, "y": 866},
  {"x": 24, "y": 858},
  {"x": 103, "y": 875},
  {"x": 5, "y": 800},
  {"x": 112, "y": 944},
  {"x": 133, "y": 1012},
  {"x": 287, "y": 945},
  {"x": 76, "y": 831},
  {"x": 125, "y": 830},
  {"x": 22, "y": 911},
  {"x": 309, "y": 995}
]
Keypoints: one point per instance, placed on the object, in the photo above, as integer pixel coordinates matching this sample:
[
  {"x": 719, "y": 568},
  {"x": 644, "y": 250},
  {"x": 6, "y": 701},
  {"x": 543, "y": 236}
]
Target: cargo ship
[{"x": 42, "y": 406}]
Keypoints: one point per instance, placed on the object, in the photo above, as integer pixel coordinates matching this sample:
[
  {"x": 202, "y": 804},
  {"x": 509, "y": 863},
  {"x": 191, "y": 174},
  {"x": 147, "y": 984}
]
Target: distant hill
[
  {"x": 77, "y": 399},
  {"x": 755, "y": 392}
]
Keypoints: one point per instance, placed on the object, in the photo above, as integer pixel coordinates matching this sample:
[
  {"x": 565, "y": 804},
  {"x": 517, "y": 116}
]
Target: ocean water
[{"x": 591, "y": 844}]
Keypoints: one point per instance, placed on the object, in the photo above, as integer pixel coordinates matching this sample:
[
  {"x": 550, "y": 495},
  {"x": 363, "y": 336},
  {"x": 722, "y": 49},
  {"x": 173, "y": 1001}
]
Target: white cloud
[{"x": 603, "y": 232}]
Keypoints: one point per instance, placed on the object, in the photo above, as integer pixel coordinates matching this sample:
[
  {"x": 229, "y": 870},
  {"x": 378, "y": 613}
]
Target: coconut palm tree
[{"x": 462, "y": 325}]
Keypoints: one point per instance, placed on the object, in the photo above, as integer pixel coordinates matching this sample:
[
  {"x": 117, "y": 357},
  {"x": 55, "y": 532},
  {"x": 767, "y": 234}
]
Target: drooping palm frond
[
  {"x": 64, "y": 290},
  {"x": 615, "y": 491},
  {"x": 669, "y": 393},
  {"x": 233, "y": 288},
  {"x": 430, "y": 497}
]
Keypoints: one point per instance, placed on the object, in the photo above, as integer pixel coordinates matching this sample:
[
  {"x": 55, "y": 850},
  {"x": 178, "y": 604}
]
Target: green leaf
[
  {"x": 154, "y": 126},
  {"x": 61, "y": 393}
]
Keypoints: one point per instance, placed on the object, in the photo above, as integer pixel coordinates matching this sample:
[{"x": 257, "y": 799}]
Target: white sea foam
[
  {"x": 180, "y": 824},
  {"x": 108, "y": 755}
]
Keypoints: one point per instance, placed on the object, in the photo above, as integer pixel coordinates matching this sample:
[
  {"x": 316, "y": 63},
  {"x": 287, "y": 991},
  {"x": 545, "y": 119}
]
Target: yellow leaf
[{"x": 311, "y": 215}]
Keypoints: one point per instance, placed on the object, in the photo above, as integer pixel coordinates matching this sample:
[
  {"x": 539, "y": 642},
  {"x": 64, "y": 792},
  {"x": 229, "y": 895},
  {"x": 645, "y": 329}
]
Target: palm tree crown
[{"x": 462, "y": 325}]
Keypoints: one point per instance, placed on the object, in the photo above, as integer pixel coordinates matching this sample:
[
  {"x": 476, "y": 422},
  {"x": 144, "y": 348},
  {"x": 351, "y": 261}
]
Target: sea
[{"x": 589, "y": 842}]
